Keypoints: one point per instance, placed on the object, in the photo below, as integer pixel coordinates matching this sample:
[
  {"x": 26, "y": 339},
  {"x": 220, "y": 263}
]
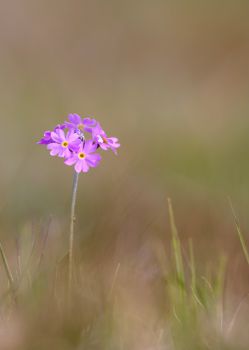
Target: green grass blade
[
  {"x": 8, "y": 272},
  {"x": 6, "y": 266},
  {"x": 176, "y": 246},
  {"x": 192, "y": 267},
  {"x": 241, "y": 237}
]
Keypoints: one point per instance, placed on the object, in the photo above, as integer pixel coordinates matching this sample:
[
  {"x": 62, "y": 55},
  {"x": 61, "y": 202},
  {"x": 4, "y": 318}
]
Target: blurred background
[{"x": 170, "y": 79}]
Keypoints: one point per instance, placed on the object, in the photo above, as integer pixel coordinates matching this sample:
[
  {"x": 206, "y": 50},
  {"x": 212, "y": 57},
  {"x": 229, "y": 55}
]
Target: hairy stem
[{"x": 71, "y": 233}]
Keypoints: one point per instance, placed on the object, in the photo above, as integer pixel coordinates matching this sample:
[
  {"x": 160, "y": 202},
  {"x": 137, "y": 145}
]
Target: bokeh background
[{"x": 171, "y": 80}]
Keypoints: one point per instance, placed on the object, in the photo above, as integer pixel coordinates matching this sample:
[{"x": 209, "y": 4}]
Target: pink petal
[
  {"x": 74, "y": 118},
  {"x": 55, "y": 137},
  {"x": 84, "y": 166},
  {"x": 61, "y": 134},
  {"x": 78, "y": 167},
  {"x": 70, "y": 161}
]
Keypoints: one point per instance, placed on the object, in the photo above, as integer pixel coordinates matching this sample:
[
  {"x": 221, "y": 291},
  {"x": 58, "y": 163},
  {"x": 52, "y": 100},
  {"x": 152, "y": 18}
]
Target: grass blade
[
  {"x": 176, "y": 246},
  {"x": 241, "y": 237},
  {"x": 192, "y": 267},
  {"x": 8, "y": 272}
]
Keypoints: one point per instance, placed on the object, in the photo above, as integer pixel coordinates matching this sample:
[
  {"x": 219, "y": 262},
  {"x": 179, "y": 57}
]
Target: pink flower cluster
[{"x": 68, "y": 141}]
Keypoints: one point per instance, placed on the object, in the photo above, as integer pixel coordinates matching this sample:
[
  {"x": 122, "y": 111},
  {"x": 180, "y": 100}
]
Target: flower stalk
[{"x": 71, "y": 233}]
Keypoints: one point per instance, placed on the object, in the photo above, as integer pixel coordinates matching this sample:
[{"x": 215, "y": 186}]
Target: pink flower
[
  {"x": 84, "y": 158},
  {"x": 47, "y": 135},
  {"x": 63, "y": 145},
  {"x": 79, "y": 124},
  {"x": 104, "y": 142},
  {"x": 69, "y": 141}
]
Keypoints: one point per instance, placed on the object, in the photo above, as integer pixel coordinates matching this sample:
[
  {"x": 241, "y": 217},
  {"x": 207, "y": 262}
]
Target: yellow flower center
[
  {"x": 104, "y": 139},
  {"x": 81, "y": 155},
  {"x": 64, "y": 144}
]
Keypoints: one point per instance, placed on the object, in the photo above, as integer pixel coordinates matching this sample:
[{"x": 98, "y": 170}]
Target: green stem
[{"x": 71, "y": 233}]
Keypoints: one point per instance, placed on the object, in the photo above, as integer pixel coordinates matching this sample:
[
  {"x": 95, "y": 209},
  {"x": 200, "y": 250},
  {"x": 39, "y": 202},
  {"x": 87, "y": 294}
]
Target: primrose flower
[
  {"x": 104, "y": 142},
  {"x": 84, "y": 158},
  {"x": 77, "y": 141},
  {"x": 79, "y": 124},
  {"x": 63, "y": 145},
  {"x": 47, "y": 135}
]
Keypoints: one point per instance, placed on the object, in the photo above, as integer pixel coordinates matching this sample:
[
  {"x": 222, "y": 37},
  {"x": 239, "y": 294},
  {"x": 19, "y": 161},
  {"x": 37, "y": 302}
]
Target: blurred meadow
[{"x": 170, "y": 79}]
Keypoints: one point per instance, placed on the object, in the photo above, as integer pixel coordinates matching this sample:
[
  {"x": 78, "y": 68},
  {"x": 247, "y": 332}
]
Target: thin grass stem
[
  {"x": 8, "y": 271},
  {"x": 192, "y": 267},
  {"x": 241, "y": 237},
  {"x": 176, "y": 246}
]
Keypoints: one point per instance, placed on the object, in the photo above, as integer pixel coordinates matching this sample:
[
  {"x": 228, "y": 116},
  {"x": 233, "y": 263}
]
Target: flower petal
[
  {"x": 61, "y": 134},
  {"x": 66, "y": 153},
  {"x": 94, "y": 158},
  {"x": 78, "y": 166},
  {"x": 84, "y": 166},
  {"x": 70, "y": 161},
  {"x": 89, "y": 121},
  {"x": 89, "y": 146},
  {"x": 74, "y": 118},
  {"x": 54, "y": 148}
]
